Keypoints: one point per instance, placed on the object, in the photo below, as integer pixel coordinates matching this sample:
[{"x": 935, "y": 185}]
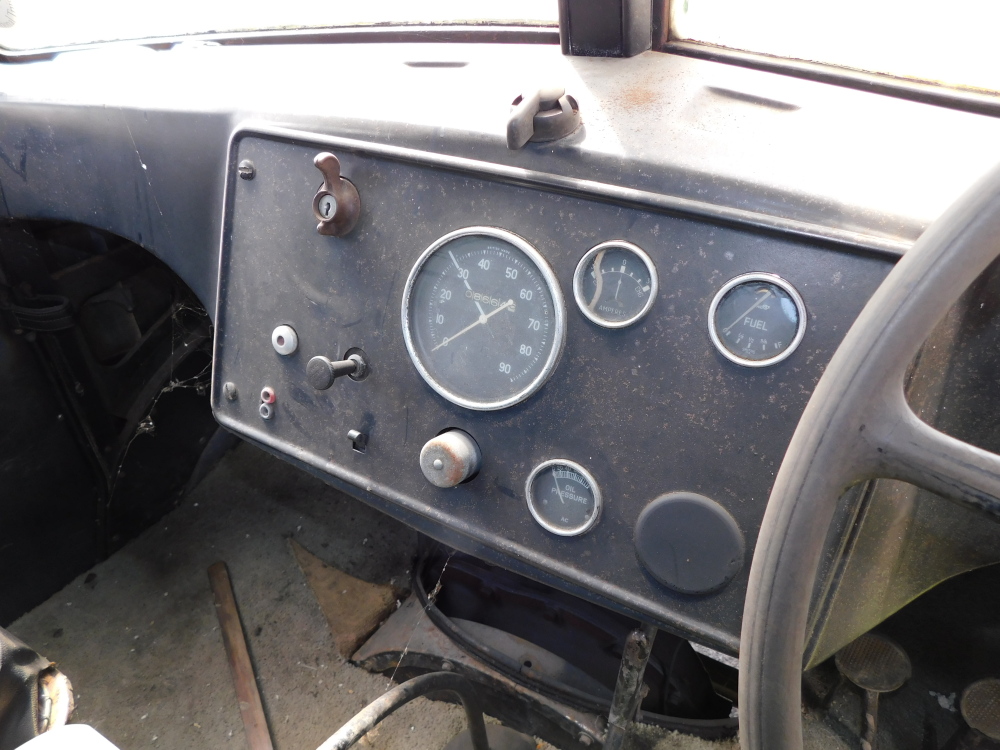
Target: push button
[{"x": 450, "y": 458}]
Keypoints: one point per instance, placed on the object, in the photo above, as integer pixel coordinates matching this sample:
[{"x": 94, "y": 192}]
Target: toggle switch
[
  {"x": 450, "y": 458},
  {"x": 359, "y": 441}
]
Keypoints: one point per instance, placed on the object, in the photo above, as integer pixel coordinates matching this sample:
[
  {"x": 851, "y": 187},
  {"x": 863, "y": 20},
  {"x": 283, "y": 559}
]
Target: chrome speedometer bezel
[
  {"x": 558, "y": 331},
  {"x": 769, "y": 278}
]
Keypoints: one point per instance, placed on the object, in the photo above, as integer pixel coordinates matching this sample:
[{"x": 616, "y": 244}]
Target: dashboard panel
[{"x": 654, "y": 413}]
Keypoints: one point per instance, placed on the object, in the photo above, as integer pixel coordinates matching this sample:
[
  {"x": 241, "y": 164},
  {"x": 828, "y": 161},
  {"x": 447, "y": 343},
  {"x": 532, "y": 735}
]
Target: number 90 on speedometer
[{"x": 483, "y": 318}]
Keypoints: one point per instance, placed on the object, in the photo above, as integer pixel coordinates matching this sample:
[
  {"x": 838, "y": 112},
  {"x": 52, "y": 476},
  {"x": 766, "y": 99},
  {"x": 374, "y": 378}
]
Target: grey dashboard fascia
[{"x": 616, "y": 399}]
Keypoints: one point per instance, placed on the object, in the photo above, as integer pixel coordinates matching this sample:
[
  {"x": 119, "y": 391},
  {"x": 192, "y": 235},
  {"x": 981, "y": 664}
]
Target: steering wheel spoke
[
  {"x": 857, "y": 426},
  {"x": 917, "y": 453}
]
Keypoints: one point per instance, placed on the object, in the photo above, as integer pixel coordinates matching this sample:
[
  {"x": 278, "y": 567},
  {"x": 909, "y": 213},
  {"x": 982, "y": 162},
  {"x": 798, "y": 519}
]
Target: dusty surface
[
  {"x": 138, "y": 635},
  {"x": 353, "y": 608}
]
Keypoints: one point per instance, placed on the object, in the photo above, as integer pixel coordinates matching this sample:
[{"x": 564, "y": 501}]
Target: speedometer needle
[
  {"x": 479, "y": 321},
  {"x": 465, "y": 280},
  {"x": 767, "y": 293}
]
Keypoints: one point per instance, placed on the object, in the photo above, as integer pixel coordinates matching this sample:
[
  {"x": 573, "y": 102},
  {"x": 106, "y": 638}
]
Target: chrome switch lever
[{"x": 321, "y": 372}]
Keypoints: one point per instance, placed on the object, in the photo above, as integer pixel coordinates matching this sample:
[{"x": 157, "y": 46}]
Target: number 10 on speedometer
[{"x": 483, "y": 318}]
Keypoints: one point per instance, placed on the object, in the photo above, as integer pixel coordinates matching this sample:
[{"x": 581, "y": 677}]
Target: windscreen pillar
[{"x": 605, "y": 28}]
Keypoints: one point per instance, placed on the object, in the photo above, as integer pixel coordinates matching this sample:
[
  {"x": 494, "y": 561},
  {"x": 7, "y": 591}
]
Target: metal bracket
[
  {"x": 615, "y": 28},
  {"x": 544, "y": 115}
]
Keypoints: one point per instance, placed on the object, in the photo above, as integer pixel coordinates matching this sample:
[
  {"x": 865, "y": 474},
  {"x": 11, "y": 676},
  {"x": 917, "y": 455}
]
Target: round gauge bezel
[
  {"x": 558, "y": 330},
  {"x": 769, "y": 278},
  {"x": 598, "y": 498},
  {"x": 581, "y": 271}
]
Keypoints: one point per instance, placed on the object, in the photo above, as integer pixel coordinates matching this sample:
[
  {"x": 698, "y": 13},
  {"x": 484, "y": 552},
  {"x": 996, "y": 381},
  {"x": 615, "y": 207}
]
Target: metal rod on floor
[
  {"x": 368, "y": 717},
  {"x": 251, "y": 709},
  {"x": 628, "y": 690}
]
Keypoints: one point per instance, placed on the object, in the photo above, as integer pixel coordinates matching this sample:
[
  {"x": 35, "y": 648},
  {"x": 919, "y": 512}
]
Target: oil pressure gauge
[
  {"x": 757, "y": 319},
  {"x": 615, "y": 284},
  {"x": 563, "y": 497}
]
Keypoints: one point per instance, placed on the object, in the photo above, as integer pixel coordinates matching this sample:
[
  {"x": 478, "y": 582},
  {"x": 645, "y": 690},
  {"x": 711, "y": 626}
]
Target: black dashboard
[
  {"x": 648, "y": 410},
  {"x": 712, "y": 171}
]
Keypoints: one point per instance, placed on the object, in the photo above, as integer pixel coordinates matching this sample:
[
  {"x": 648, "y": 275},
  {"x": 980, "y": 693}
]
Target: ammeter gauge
[
  {"x": 563, "y": 497},
  {"x": 483, "y": 318},
  {"x": 757, "y": 319},
  {"x": 615, "y": 284}
]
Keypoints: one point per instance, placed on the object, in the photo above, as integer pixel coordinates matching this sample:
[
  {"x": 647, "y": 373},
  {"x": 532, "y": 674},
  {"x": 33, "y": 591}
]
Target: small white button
[{"x": 284, "y": 340}]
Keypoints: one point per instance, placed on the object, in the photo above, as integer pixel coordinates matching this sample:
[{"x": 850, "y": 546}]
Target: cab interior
[{"x": 590, "y": 372}]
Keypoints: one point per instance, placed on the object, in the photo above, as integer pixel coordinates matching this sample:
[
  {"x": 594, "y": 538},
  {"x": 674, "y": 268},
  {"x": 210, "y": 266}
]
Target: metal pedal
[
  {"x": 980, "y": 706},
  {"x": 876, "y": 665}
]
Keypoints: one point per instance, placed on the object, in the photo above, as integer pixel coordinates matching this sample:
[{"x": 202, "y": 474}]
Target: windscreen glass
[
  {"x": 41, "y": 24},
  {"x": 952, "y": 43}
]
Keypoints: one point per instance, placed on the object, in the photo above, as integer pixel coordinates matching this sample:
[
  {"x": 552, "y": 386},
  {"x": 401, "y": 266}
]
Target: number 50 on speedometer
[{"x": 483, "y": 318}]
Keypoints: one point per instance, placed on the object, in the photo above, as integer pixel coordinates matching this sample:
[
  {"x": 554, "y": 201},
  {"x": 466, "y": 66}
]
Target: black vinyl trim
[{"x": 457, "y": 34}]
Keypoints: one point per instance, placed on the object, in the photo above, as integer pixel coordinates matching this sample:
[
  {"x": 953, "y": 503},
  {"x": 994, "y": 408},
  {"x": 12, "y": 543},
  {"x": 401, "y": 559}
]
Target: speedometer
[{"x": 483, "y": 318}]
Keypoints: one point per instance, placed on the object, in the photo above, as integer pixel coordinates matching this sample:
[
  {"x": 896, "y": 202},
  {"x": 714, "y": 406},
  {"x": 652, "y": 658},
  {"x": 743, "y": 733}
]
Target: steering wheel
[{"x": 857, "y": 426}]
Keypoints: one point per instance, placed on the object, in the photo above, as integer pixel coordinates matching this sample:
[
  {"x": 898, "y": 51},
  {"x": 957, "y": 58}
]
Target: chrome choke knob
[
  {"x": 321, "y": 372},
  {"x": 450, "y": 458}
]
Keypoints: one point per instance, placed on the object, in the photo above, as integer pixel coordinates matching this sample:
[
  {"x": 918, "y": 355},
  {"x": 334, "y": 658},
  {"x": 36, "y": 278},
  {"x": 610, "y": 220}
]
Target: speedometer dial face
[
  {"x": 757, "y": 319},
  {"x": 483, "y": 318}
]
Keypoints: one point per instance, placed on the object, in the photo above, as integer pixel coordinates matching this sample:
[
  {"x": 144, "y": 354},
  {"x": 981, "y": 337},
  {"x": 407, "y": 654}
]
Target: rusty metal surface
[
  {"x": 628, "y": 691},
  {"x": 258, "y": 734},
  {"x": 353, "y": 608}
]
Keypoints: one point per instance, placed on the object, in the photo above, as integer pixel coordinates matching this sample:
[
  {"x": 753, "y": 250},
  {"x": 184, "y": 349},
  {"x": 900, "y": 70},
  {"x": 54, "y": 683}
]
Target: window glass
[
  {"x": 37, "y": 24},
  {"x": 952, "y": 42}
]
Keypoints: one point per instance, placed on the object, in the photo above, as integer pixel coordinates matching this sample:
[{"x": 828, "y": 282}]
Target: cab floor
[{"x": 139, "y": 638}]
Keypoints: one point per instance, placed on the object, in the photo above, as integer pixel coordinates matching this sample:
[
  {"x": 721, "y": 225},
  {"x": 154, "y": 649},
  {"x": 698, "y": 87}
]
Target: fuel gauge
[
  {"x": 757, "y": 319},
  {"x": 563, "y": 497}
]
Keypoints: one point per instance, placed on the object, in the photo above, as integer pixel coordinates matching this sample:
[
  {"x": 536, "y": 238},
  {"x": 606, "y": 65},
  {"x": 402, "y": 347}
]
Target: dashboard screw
[
  {"x": 230, "y": 392},
  {"x": 266, "y": 411},
  {"x": 246, "y": 169}
]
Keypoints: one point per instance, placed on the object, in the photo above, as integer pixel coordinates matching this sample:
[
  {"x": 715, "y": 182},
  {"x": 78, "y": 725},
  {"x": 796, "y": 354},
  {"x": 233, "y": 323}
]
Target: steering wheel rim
[{"x": 857, "y": 426}]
